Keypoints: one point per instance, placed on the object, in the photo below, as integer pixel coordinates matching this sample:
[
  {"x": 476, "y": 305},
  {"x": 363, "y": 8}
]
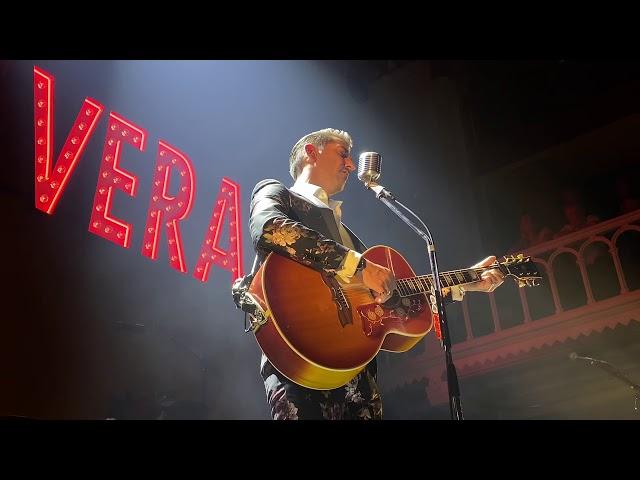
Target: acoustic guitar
[{"x": 320, "y": 332}]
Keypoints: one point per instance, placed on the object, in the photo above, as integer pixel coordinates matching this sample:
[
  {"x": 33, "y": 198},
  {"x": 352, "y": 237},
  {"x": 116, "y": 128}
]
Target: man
[{"x": 304, "y": 224}]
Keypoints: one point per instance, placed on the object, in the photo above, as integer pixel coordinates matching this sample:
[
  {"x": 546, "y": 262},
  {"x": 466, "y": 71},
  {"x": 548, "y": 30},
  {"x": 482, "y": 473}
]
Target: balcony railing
[{"x": 567, "y": 316}]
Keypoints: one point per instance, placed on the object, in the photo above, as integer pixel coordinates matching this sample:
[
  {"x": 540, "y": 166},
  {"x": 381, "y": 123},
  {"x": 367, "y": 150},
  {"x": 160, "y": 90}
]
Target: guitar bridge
[{"x": 338, "y": 297}]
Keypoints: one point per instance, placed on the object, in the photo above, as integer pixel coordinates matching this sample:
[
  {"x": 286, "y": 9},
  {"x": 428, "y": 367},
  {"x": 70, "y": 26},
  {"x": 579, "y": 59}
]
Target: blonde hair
[{"x": 318, "y": 139}]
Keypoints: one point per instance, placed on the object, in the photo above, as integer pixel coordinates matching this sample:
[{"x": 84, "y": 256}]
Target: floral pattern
[
  {"x": 275, "y": 226},
  {"x": 303, "y": 245},
  {"x": 283, "y": 409},
  {"x": 283, "y": 236},
  {"x": 357, "y": 400},
  {"x": 300, "y": 204}
]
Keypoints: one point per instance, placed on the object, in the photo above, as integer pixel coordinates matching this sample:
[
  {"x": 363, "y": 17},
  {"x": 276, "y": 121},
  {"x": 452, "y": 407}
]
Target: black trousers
[{"x": 357, "y": 400}]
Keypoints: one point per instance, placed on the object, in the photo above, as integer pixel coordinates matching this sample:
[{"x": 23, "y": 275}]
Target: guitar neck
[{"x": 423, "y": 283}]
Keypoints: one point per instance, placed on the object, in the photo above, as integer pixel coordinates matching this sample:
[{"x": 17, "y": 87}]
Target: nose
[{"x": 349, "y": 165}]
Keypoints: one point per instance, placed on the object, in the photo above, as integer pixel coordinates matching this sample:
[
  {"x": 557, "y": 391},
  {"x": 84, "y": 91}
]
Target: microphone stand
[
  {"x": 614, "y": 372},
  {"x": 455, "y": 406}
]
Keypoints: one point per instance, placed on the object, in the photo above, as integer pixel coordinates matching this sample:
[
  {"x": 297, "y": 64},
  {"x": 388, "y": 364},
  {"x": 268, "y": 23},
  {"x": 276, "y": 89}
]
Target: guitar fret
[
  {"x": 429, "y": 282},
  {"x": 401, "y": 287},
  {"x": 408, "y": 287},
  {"x": 410, "y": 284}
]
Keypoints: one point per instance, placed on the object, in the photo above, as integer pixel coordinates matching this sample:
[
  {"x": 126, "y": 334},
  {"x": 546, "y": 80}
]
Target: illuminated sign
[{"x": 165, "y": 211}]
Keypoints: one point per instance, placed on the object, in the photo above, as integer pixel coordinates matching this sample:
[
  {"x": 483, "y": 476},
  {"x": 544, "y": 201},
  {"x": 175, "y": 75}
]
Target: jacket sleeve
[{"x": 274, "y": 227}]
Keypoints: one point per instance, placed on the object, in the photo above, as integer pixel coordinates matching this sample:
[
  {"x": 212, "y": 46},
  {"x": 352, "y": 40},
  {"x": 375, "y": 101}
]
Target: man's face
[{"x": 332, "y": 166}]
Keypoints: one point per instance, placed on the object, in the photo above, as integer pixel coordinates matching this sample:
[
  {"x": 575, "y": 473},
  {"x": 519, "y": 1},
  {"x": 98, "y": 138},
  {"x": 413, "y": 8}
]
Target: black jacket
[{"x": 284, "y": 222}]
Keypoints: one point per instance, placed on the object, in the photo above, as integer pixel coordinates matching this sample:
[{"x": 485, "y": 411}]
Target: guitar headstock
[{"x": 523, "y": 270}]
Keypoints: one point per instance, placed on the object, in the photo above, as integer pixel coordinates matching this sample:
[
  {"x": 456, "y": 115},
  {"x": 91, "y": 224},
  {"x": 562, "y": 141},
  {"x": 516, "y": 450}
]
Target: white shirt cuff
[
  {"x": 349, "y": 266},
  {"x": 457, "y": 294}
]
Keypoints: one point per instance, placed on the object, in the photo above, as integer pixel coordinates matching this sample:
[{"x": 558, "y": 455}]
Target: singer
[{"x": 304, "y": 224}]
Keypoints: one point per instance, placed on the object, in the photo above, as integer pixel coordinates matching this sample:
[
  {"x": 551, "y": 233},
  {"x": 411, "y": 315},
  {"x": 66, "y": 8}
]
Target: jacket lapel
[
  {"x": 360, "y": 246},
  {"x": 315, "y": 217}
]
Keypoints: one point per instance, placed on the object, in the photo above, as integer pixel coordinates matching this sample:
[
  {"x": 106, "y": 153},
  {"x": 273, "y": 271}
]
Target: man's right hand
[{"x": 379, "y": 279}]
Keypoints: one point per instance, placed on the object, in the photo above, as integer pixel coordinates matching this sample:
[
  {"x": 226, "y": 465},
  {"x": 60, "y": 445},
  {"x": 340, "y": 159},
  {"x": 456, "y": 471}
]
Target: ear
[{"x": 310, "y": 150}]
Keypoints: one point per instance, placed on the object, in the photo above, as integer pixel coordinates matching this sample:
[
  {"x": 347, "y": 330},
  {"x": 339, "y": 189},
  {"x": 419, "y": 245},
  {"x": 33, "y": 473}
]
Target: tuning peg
[{"x": 522, "y": 283}]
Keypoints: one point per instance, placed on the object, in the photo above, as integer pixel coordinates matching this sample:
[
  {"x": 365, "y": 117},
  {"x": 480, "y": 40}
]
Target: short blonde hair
[{"x": 318, "y": 139}]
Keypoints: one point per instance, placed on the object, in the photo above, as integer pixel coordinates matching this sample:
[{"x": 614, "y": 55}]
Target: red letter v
[{"x": 51, "y": 180}]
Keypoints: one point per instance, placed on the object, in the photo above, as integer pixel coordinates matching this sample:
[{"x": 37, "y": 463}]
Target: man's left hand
[{"x": 491, "y": 279}]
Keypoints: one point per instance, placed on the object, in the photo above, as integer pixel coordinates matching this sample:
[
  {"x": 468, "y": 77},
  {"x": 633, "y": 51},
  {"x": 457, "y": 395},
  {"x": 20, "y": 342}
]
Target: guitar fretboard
[{"x": 423, "y": 283}]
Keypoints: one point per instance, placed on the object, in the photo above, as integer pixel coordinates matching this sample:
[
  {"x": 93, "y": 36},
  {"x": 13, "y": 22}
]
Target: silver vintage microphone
[{"x": 369, "y": 167}]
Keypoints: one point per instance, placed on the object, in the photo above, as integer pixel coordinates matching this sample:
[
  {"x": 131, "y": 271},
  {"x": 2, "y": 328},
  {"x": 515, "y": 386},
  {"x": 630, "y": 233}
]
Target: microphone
[
  {"x": 574, "y": 356},
  {"x": 369, "y": 168}
]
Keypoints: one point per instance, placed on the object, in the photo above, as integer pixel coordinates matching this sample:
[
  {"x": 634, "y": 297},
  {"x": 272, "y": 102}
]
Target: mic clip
[{"x": 380, "y": 191}]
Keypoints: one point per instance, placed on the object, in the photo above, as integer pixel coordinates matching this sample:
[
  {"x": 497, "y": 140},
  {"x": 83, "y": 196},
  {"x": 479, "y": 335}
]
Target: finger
[
  {"x": 379, "y": 296},
  {"x": 486, "y": 276},
  {"x": 491, "y": 282},
  {"x": 493, "y": 275},
  {"x": 487, "y": 261},
  {"x": 497, "y": 277},
  {"x": 489, "y": 286},
  {"x": 382, "y": 298}
]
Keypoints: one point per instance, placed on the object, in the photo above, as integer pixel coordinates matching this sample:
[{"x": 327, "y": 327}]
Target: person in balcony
[
  {"x": 530, "y": 234},
  {"x": 574, "y": 214}
]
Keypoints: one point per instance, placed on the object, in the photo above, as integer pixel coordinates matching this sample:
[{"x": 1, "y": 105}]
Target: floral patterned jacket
[{"x": 286, "y": 223}]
